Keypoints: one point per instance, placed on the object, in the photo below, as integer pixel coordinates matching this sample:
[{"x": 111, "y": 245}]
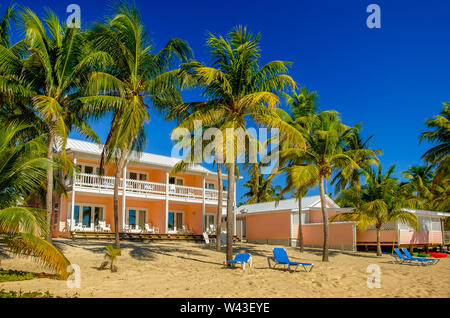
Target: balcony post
[
  {"x": 72, "y": 213},
  {"x": 167, "y": 203},
  {"x": 124, "y": 195},
  {"x": 203, "y": 205}
]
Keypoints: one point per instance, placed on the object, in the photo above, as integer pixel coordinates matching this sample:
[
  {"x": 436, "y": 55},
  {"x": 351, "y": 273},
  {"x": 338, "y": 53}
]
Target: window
[
  {"x": 435, "y": 224},
  {"x": 137, "y": 176},
  {"x": 55, "y": 213},
  {"x": 89, "y": 169},
  {"x": 176, "y": 181},
  {"x": 210, "y": 186},
  {"x": 425, "y": 223},
  {"x": 305, "y": 218},
  {"x": 210, "y": 219}
]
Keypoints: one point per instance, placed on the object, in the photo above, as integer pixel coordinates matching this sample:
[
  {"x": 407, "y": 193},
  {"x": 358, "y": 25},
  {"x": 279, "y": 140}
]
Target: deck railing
[{"x": 93, "y": 181}]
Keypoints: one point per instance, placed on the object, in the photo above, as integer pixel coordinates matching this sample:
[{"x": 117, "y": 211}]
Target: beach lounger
[
  {"x": 407, "y": 260},
  {"x": 241, "y": 258},
  {"x": 429, "y": 260},
  {"x": 280, "y": 257}
]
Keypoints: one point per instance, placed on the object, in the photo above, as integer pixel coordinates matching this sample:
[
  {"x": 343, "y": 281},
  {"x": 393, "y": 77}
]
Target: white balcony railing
[{"x": 93, "y": 181}]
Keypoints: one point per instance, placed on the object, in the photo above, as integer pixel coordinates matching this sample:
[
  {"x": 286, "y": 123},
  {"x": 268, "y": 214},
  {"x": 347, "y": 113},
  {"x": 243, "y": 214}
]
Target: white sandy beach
[{"x": 185, "y": 269}]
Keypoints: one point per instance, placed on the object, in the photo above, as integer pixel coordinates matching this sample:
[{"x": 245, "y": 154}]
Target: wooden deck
[{"x": 110, "y": 236}]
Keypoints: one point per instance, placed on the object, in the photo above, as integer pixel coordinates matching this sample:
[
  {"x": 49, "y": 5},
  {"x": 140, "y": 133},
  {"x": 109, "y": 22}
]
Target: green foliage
[
  {"x": 12, "y": 275},
  {"x": 20, "y": 294}
]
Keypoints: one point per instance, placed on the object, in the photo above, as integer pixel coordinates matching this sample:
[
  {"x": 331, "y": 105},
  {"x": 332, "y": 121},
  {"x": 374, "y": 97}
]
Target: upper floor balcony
[{"x": 94, "y": 183}]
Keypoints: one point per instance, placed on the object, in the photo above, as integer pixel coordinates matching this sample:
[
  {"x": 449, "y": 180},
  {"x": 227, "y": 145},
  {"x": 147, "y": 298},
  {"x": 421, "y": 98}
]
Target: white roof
[
  {"x": 86, "y": 147},
  {"x": 285, "y": 205},
  {"x": 431, "y": 213}
]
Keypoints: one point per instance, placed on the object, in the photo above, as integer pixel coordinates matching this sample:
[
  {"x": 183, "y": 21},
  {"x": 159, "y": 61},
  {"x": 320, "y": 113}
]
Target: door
[
  {"x": 142, "y": 218},
  {"x": 87, "y": 210},
  {"x": 131, "y": 217},
  {"x": 175, "y": 221}
]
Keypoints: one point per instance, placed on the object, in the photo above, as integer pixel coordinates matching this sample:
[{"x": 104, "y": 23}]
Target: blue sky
[{"x": 389, "y": 79}]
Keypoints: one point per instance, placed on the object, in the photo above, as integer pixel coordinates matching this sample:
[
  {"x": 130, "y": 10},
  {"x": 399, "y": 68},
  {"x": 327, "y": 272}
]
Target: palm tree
[
  {"x": 325, "y": 154},
  {"x": 236, "y": 89},
  {"x": 260, "y": 187},
  {"x": 5, "y": 24},
  {"x": 419, "y": 180},
  {"x": 136, "y": 74},
  {"x": 438, "y": 156},
  {"x": 380, "y": 201},
  {"x": 358, "y": 149},
  {"x": 302, "y": 105},
  {"x": 49, "y": 66},
  {"x": 22, "y": 169}
]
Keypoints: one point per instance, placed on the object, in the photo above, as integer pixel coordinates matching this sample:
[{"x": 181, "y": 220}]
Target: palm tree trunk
[
  {"x": 378, "y": 240},
  {"x": 300, "y": 229},
  {"x": 325, "y": 220},
  {"x": 219, "y": 206},
  {"x": 119, "y": 170},
  {"x": 49, "y": 194},
  {"x": 230, "y": 204}
]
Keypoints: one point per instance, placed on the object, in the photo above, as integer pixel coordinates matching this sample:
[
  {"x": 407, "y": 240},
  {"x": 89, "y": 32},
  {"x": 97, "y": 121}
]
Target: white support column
[
  {"x": 72, "y": 212},
  {"x": 203, "y": 205},
  {"x": 167, "y": 203},
  {"x": 124, "y": 195},
  {"x": 234, "y": 208}
]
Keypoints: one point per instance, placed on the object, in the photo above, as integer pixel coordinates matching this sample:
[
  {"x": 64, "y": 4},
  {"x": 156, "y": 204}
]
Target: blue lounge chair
[
  {"x": 403, "y": 259},
  {"x": 241, "y": 258},
  {"x": 280, "y": 257},
  {"x": 429, "y": 260}
]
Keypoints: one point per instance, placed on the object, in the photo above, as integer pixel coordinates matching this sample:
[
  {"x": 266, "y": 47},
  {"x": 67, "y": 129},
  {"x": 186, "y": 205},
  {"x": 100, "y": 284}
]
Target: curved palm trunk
[
  {"x": 219, "y": 206},
  {"x": 230, "y": 204},
  {"x": 378, "y": 240},
  {"x": 49, "y": 194},
  {"x": 119, "y": 170},
  {"x": 300, "y": 229},
  {"x": 325, "y": 220}
]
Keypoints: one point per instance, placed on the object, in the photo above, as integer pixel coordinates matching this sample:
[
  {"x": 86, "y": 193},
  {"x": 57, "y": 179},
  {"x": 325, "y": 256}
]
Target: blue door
[
  {"x": 87, "y": 216},
  {"x": 76, "y": 214},
  {"x": 171, "y": 221},
  {"x": 131, "y": 217}
]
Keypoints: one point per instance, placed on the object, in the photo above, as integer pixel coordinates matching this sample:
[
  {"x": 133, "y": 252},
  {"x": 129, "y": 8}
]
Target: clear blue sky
[{"x": 390, "y": 79}]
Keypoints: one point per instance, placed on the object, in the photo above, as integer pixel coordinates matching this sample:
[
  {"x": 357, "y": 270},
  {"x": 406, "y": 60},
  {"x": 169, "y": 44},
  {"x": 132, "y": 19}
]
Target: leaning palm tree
[
  {"x": 21, "y": 172},
  {"x": 49, "y": 66},
  {"x": 123, "y": 88},
  {"x": 236, "y": 89},
  {"x": 380, "y": 201},
  {"x": 325, "y": 154}
]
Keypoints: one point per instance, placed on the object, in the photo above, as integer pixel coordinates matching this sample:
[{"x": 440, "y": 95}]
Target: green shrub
[
  {"x": 12, "y": 275},
  {"x": 20, "y": 294}
]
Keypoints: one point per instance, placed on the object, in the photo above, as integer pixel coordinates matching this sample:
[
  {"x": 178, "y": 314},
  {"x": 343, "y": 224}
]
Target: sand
[{"x": 187, "y": 269}]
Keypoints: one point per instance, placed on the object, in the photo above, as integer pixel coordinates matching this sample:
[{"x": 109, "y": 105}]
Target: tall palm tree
[
  {"x": 23, "y": 166},
  {"x": 49, "y": 66},
  {"x": 379, "y": 201},
  {"x": 325, "y": 154},
  {"x": 236, "y": 89},
  {"x": 123, "y": 88},
  {"x": 303, "y": 105}
]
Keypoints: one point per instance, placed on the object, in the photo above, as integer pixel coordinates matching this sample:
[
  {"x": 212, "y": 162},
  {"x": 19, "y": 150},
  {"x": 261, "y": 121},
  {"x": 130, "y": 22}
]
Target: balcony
[{"x": 105, "y": 184}]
